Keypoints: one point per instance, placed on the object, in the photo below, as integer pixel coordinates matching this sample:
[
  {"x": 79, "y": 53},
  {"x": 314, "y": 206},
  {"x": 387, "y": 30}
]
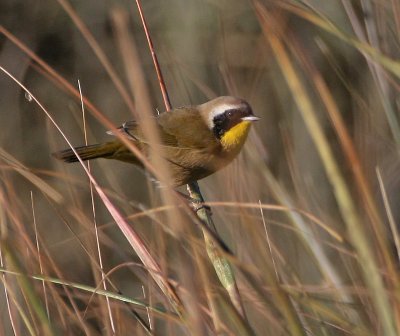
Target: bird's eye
[{"x": 230, "y": 113}]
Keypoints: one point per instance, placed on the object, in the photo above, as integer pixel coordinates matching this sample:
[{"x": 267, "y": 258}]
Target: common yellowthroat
[{"x": 196, "y": 141}]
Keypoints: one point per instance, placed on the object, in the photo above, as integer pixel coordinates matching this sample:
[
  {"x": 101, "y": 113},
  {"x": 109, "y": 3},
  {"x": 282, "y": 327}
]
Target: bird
[{"x": 196, "y": 141}]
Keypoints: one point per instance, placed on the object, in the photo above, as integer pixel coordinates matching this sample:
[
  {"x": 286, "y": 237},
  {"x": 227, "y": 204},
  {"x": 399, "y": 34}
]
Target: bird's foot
[{"x": 195, "y": 204}]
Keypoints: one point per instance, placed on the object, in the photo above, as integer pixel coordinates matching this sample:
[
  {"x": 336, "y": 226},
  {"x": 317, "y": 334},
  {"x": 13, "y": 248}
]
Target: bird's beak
[{"x": 250, "y": 118}]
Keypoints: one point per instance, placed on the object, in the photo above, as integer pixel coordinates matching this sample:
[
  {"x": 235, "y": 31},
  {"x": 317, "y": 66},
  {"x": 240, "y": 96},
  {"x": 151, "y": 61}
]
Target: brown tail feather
[{"x": 104, "y": 150}]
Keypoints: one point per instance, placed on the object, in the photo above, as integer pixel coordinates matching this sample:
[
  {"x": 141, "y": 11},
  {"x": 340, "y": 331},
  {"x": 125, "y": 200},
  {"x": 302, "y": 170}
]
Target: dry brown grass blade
[
  {"x": 106, "y": 309},
  {"x": 30, "y": 176},
  {"x": 333, "y": 233},
  {"x": 157, "y": 68},
  {"x": 98, "y": 51}
]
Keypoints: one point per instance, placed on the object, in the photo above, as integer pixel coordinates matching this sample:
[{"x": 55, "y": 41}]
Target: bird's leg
[{"x": 195, "y": 204}]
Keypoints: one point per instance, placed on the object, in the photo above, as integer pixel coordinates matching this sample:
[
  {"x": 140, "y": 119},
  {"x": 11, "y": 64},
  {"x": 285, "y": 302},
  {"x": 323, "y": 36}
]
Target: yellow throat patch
[{"x": 234, "y": 139}]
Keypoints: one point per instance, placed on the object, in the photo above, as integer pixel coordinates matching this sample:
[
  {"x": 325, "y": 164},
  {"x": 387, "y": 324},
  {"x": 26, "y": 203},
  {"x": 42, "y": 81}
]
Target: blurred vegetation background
[{"x": 302, "y": 65}]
